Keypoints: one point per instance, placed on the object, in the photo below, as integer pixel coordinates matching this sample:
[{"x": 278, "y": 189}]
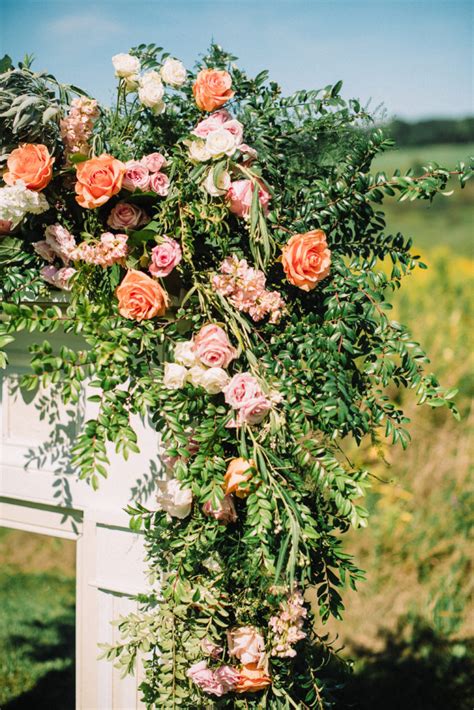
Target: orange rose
[
  {"x": 32, "y": 163},
  {"x": 251, "y": 679},
  {"x": 212, "y": 89},
  {"x": 238, "y": 471},
  {"x": 306, "y": 259},
  {"x": 141, "y": 297},
  {"x": 98, "y": 179}
]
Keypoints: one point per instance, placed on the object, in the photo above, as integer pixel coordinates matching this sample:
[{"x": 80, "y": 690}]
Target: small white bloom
[
  {"x": 151, "y": 90},
  {"x": 16, "y": 201},
  {"x": 175, "y": 375},
  {"x": 214, "y": 380},
  {"x": 131, "y": 83},
  {"x": 223, "y": 183},
  {"x": 198, "y": 151},
  {"x": 173, "y": 72},
  {"x": 195, "y": 375},
  {"x": 174, "y": 499},
  {"x": 221, "y": 142},
  {"x": 125, "y": 65},
  {"x": 184, "y": 355}
]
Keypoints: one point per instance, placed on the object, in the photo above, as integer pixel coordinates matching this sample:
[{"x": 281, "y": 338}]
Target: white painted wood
[{"x": 40, "y": 492}]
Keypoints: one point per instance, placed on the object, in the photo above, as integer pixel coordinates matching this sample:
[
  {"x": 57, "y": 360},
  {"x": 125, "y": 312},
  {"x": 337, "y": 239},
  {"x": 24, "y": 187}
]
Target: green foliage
[{"x": 331, "y": 360}]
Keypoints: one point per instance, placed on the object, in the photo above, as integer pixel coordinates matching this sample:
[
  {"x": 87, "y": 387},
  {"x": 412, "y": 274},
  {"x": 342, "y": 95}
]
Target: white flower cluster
[
  {"x": 188, "y": 368},
  {"x": 149, "y": 84},
  {"x": 16, "y": 201}
]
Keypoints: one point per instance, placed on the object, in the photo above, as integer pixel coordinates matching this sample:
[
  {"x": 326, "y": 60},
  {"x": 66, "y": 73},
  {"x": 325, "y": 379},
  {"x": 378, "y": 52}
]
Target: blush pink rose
[
  {"x": 165, "y": 257},
  {"x": 211, "y": 123},
  {"x": 235, "y": 128},
  {"x": 136, "y": 176},
  {"x": 225, "y": 512},
  {"x": 247, "y": 644},
  {"x": 242, "y": 388},
  {"x": 154, "y": 162},
  {"x": 254, "y": 410},
  {"x": 240, "y": 195},
  {"x": 159, "y": 183},
  {"x": 212, "y": 347},
  {"x": 205, "y": 679},
  {"x": 127, "y": 216}
]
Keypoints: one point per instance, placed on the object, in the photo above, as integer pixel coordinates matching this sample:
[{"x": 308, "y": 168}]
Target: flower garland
[{"x": 232, "y": 292}]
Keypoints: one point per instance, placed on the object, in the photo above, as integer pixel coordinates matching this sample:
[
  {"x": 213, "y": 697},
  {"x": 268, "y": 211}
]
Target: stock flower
[
  {"x": 151, "y": 91},
  {"x": 173, "y": 72},
  {"x": 252, "y": 679},
  {"x": 213, "y": 348},
  {"x": 58, "y": 277},
  {"x": 32, "y": 164},
  {"x": 136, "y": 176},
  {"x": 140, "y": 297},
  {"x": 223, "y": 183},
  {"x": 76, "y": 127},
  {"x": 247, "y": 644},
  {"x": 239, "y": 471},
  {"x": 212, "y": 89},
  {"x": 125, "y": 65},
  {"x": 154, "y": 162},
  {"x": 110, "y": 249},
  {"x": 306, "y": 259},
  {"x": 240, "y": 196},
  {"x": 159, "y": 183},
  {"x": 174, "y": 377},
  {"x": 287, "y": 625},
  {"x": 173, "y": 499},
  {"x": 125, "y": 215},
  {"x": 225, "y": 512},
  {"x": 44, "y": 250},
  {"x": 98, "y": 179},
  {"x": 164, "y": 257},
  {"x": 60, "y": 241}
]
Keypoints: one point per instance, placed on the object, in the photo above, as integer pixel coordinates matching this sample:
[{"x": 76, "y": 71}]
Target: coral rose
[
  {"x": 306, "y": 259},
  {"x": 98, "y": 179},
  {"x": 212, "y": 89},
  {"x": 252, "y": 679},
  {"x": 238, "y": 471},
  {"x": 141, "y": 297},
  {"x": 31, "y": 163}
]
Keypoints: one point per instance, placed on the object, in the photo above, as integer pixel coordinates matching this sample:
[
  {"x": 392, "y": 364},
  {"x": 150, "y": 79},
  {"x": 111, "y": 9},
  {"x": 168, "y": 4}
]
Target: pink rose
[
  {"x": 227, "y": 677},
  {"x": 254, "y": 410},
  {"x": 205, "y": 679},
  {"x": 127, "y": 216},
  {"x": 236, "y": 128},
  {"x": 159, "y": 183},
  {"x": 213, "y": 348},
  {"x": 136, "y": 176},
  {"x": 225, "y": 511},
  {"x": 240, "y": 197},
  {"x": 211, "y": 123},
  {"x": 242, "y": 388},
  {"x": 154, "y": 162},
  {"x": 211, "y": 649},
  {"x": 165, "y": 257},
  {"x": 246, "y": 644}
]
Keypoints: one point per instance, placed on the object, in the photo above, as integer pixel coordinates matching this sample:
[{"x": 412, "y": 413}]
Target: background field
[{"x": 408, "y": 630}]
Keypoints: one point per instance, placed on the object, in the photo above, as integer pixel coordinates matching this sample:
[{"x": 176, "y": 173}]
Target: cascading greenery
[{"x": 330, "y": 358}]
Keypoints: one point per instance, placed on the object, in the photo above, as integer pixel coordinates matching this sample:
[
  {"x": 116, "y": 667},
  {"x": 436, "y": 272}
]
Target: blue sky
[{"x": 415, "y": 56}]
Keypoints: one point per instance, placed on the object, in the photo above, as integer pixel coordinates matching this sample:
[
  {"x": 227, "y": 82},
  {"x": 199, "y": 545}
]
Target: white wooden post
[{"x": 41, "y": 493}]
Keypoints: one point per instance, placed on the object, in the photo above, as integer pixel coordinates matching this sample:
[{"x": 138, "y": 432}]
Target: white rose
[
  {"x": 198, "y": 150},
  {"x": 125, "y": 65},
  {"x": 223, "y": 184},
  {"x": 173, "y": 72},
  {"x": 184, "y": 355},
  {"x": 220, "y": 142},
  {"x": 131, "y": 83},
  {"x": 175, "y": 375},
  {"x": 174, "y": 499},
  {"x": 214, "y": 380},
  {"x": 195, "y": 375},
  {"x": 151, "y": 90}
]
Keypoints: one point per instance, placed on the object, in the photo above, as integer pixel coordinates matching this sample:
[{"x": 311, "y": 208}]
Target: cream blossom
[
  {"x": 173, "y": 72},
  {"x": 131, "y": 83},
  {"x": 125, "y": 65},
  {"x": 223, "y": 184},
  {"x": 174, "y": 499},
  {"x": 214, "y": 380},
  {"x": 151, "y": 91},
  {"x": 198, "y": 151},
  {"x": 175, "y": 375},
  {"x": 221, "y": 142},
  {"x": 184, "y": 354},
  {"x": 195, "y": 375}
]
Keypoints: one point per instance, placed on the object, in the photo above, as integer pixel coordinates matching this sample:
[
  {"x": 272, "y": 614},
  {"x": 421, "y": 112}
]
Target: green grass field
[{"x": 408, "y": 630}]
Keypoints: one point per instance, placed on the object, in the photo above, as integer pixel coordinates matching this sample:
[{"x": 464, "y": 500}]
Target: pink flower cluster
[
  {"x": 244, "y": 286},
  {"x": 110, "y": 249},
  {"x": 287, "y": 626},
  {"x": 218, "y": 682},
  {"x": 77, "y": 126},
  {"x": 145, "y": 174},
  {"x": 243, "y": 393},
  {"x": 58, "y": 242},
  {"x": 164, "y": 257},
  {"x": 58, "y": 277}
]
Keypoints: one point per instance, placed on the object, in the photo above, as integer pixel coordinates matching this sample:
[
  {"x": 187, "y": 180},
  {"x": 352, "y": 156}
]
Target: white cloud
[{"x": 88, "y": 22}]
